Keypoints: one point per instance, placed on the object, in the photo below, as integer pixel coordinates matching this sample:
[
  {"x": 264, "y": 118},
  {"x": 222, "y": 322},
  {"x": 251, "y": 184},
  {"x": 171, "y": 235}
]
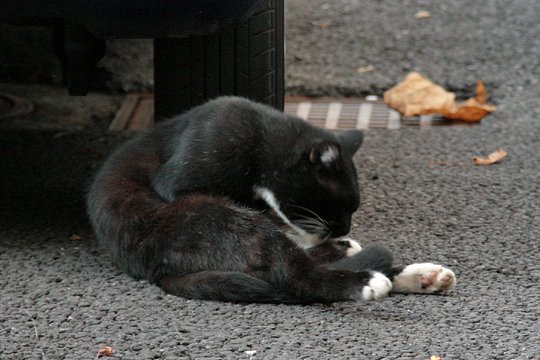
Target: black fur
[{"x": 177, "y": 206}]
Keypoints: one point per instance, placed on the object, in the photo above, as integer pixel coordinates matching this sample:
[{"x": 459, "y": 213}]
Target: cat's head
[{"x": 317, "y": 185}]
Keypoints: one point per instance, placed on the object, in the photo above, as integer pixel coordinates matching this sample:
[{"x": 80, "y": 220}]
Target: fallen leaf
[
  {"x": 433, "y": 357},
  {"x": 473, "y": 109},
  {"x": 324, "y": 25},
  {"x": 492, "y": 158},
  {"x": 481, "y": 94},
  {"x": 105, "y": 351},
  {"x": 75, "y": 237},
  {"x": 423, "y": 14},
  {"x": 417, "y": 95},
  {"x": 469, "y": 112}
]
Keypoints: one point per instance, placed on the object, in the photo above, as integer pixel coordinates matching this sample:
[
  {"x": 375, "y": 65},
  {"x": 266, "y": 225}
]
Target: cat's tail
[
  {"x": 370, "y": 258},
  {"x": 224, "y": 286}
]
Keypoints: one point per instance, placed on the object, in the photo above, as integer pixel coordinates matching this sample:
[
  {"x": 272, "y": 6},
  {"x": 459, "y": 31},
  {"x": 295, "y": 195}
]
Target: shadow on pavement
[{"x": 44, "y": 176}]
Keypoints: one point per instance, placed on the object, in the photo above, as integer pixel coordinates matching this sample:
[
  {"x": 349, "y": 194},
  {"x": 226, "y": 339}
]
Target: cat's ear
[
  {"x": 351, "y": 141},
  {"x": 326, "y": 154}
]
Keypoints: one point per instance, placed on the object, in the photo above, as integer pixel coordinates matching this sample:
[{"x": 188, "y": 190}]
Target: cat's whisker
[
  {"x": 305, "y": 225},
  {"x": 309, "y": 211},
  {"x": 307, "y": 219},
  {"x": 312, "y": 225}
]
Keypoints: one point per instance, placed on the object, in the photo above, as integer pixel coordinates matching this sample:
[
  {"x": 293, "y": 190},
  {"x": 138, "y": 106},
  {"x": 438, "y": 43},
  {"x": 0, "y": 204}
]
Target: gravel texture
[{"x": 60, "y": 298}]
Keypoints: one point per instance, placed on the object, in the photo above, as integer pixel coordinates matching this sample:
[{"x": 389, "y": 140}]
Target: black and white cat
[{"x": 236, "y": 201}]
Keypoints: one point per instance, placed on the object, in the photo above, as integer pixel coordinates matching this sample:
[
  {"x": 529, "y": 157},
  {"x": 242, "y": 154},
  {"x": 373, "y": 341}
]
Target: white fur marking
[
  {"x": 378, "y": 287},
  {"x": 354, "y": 247},
  {"x": 424, "y": 278},
  {"x": 301, "y": 237},
  {"x": 268, "y": 196},
  {"x": 329, "y": 155}
]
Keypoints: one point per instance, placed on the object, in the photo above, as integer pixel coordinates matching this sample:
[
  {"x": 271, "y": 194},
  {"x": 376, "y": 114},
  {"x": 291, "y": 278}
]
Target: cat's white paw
[
  {"x": 425, "y": 278},
  {"x": 378, "y": 287},
  {"x": 351, "y": 246}
]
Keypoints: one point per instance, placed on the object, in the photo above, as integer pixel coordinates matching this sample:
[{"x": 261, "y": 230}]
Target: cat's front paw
[
  {"x": 349, "y": 246},
  {"x": 378, "y": 287},
  {"x": 424, "y": 278}
]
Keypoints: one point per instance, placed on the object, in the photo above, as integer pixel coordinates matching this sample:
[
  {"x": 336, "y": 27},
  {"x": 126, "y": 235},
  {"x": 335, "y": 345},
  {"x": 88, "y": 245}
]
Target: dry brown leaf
[
  {"x": 75, "y": 237},
  {"x": 492, "y": 158},
  {"x": 481, "y": 94},
  {"x": 324, "y": 25},
  {"x": 105, "y": 351},
  {"x": 417, "y": 95},
  {"x": 473, "y": 109}
]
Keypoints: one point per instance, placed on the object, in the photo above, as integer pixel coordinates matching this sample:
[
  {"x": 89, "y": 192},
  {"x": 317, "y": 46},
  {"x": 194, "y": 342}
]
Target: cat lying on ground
[{"x": 236, "y": 201}]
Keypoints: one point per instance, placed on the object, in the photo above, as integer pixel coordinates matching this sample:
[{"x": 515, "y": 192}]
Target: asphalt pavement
[{"x": 60, "y": 298}]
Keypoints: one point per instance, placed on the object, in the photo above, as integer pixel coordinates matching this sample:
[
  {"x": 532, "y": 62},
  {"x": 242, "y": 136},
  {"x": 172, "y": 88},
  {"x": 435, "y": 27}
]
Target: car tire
[{"x": 246, "y": 59}]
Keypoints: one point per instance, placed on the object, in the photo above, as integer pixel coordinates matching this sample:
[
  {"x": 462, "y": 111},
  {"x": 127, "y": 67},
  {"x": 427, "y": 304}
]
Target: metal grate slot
[{"x": 354, "y": 113}]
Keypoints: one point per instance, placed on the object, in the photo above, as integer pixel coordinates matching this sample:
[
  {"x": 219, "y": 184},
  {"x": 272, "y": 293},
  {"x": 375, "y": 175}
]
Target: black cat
[{"x": 236, "y": 201}]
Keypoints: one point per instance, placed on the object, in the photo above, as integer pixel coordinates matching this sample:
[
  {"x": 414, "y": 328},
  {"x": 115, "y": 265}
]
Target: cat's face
[{"x": 320, "y": 192}]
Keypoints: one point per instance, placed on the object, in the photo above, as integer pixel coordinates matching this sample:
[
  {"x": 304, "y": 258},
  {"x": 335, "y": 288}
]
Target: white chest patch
[{"x": 301, "y": 237}]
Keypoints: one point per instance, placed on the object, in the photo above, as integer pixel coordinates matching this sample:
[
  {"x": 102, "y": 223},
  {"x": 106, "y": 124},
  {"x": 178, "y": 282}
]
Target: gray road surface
[{"x": 60, "y": 298}]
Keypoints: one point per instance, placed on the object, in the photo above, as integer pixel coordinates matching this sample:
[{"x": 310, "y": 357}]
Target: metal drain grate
[
  {"x": 354, "y": 113},
  {"x": 137, "y": 113}
]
